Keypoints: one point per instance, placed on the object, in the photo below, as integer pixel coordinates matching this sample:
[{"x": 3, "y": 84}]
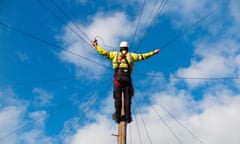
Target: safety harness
[{"x": 122, "y": 76}]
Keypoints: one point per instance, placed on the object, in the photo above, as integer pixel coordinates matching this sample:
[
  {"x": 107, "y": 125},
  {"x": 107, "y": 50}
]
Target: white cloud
[
  {"x": 43, "y": 98},
  {"x": 234, "y": 18},
  {"x": 220, "y": 119},
  {"x": 82, "y": 1},
  {"x": 39, "y": 118},
  {"x": 22, "y": 56},
  {"x": 209, "y": 119},
  {"x": 234, "y": 10},
  {"x": 237, "y": 60},
  {"x": 214, "y": 119},
  {"x": 16, "y": 124},
  {"x": 110, "y": 27},
  {"x": 186, "y": 12},
  {"x": 34, "y": 136},
  {"x": 11, "y": 114},
  {"x": 211, "y": 60},
  {"x": 116, "y": 26},
  {"x": 10, "y": 119},
  {"x": 215, "y": 54},
  {"x": 99, "y": 132}
]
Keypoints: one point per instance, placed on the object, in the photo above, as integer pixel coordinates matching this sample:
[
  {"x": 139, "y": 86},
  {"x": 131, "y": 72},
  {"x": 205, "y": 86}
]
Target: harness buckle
[{"x": 125, "y": 70}]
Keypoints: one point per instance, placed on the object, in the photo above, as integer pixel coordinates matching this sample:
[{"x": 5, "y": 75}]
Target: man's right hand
[{"x": 94, "y": 43}]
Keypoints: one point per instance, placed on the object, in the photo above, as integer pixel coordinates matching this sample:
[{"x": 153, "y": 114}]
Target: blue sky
[{"x": 55, "y": 88}]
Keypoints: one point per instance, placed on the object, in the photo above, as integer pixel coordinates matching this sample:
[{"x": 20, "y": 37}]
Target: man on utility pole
[{"x": 123, "y": 62}]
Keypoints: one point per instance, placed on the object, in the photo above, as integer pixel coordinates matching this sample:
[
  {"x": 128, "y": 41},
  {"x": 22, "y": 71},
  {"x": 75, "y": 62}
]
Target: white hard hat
[{"x": 124, "y": 44}]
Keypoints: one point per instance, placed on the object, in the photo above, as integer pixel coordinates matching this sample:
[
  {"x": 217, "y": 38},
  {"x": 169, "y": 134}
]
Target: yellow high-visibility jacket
[{"x": 115, "y": 56}]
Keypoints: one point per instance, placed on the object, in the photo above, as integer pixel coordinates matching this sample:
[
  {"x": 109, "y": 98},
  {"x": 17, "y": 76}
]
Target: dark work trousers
[{"x": 117, "y": 94}]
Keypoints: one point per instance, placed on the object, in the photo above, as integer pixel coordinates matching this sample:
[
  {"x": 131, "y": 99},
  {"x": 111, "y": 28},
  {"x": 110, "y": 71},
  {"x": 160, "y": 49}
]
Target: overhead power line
[
  {"x": 159, "y": 8},
  {"x": 138, "y": 130},
  {"x": 23, "y": 83},
  {"x": 179, "y": 141},
  {"x": 86, "y": 109},
  {"x": 140, "y": 112},
  {"x": 92, "y": 102},
  {"x": 130, "y": 133},
  {"x": 44, "y": 81},
  {"x": 150, "y": 75},
  {"x": 70, "y": 19},
  {"x": 62, "y": 21},
  {"x": 51, "y": 44},
  {"x": 181, "y": 34},
  {"x": 166, "y": 124},
  {"x": 171, "y": 115},
  {"x": 139, "y": 19},
  {"x": 207, "y": 78},
  {"x": 105, "y": 45},
  {"x": 191, "y": 27},
  {"x": 189, "y": 78}
]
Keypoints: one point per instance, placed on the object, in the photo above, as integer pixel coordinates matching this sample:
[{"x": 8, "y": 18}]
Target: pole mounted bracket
[{"x": 116, "y": 135}]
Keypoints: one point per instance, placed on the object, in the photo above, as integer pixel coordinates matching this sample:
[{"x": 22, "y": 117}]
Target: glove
[
  {"x": 94, "y": 43},
  {"x": 156, "y": 51}
]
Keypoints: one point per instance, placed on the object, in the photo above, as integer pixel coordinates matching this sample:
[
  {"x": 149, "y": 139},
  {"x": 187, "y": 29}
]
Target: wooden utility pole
[{"x": 122, "y": 126}]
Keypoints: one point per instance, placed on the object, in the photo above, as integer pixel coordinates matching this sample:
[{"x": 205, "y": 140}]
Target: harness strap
[
  {"x": 118, "y": 69},
  {"x": 123, "y": 56}
]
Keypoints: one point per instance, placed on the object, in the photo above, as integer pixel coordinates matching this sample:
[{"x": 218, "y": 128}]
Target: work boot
[
  {"x": 129, "y": 119},
  {"x": 115, "y": 118}
]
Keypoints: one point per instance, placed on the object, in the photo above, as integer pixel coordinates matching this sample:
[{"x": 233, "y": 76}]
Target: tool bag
[{"x": 123, "y": 76}]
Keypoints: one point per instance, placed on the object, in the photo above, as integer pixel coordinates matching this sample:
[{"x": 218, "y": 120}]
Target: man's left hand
[{"x": 156, "y": 51}]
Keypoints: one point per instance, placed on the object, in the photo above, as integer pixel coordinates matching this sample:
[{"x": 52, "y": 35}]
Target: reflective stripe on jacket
[{"x": 114, "y": 56}]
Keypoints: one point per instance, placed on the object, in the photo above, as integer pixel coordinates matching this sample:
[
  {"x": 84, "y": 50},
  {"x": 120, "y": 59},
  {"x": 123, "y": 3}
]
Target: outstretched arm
[
  {"x": 139, "y": 57},
  {"x": 100, "y": 50}
]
